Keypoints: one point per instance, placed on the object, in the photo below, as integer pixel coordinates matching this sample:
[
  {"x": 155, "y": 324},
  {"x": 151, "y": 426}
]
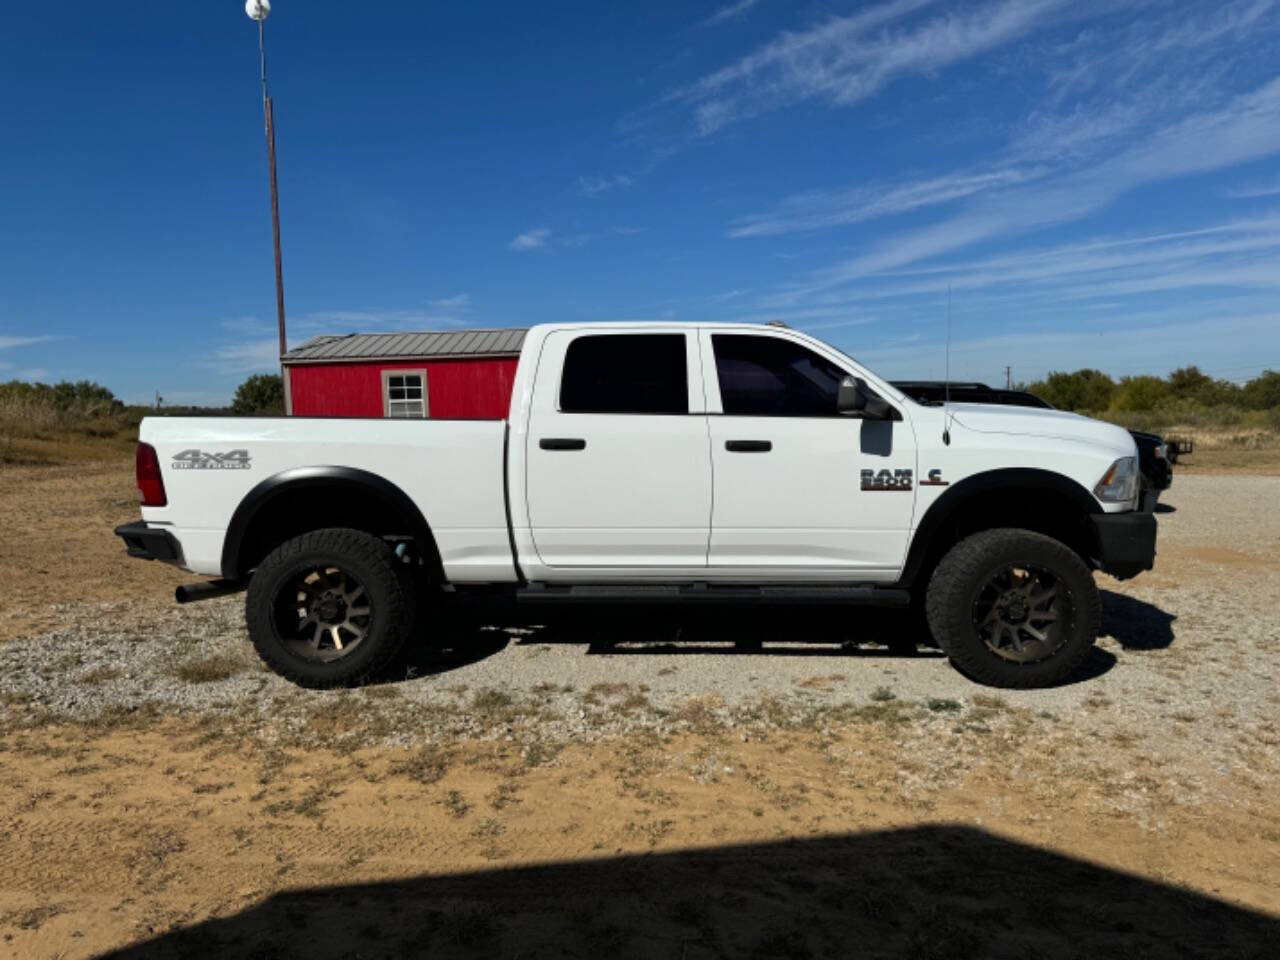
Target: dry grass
[
  {"x": 210, "y": 669},
  {"x": 39, "y": 434},
  {"x": 98, "y": 675},
  {"x": 456, "y": 804},
  {"x": 425, "y": 765}
]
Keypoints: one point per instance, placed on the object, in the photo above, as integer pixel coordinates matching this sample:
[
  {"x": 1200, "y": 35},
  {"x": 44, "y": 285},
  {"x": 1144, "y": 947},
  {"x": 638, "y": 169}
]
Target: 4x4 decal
[
  {"x": 200, "y": 460},
  {"x": 886, "y": 480}
]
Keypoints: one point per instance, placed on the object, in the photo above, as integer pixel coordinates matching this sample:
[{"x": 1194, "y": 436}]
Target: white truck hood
[{"x": 1037, "y": 422}]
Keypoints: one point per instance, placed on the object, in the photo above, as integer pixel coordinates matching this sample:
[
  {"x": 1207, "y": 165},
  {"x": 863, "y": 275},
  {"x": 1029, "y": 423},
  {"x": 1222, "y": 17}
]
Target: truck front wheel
[
  {"x": 329, "y": 608},
  {"x": 1013, "y": 608}
]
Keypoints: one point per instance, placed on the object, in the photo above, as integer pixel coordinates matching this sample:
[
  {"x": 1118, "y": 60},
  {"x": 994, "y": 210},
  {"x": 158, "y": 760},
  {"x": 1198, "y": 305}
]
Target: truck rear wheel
[
  {"x": 1013, "y": 608},
  {"x": 329, "y": 608}
]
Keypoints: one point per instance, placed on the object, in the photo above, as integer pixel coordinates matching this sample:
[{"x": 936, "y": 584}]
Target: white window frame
[{"x": 386, "y": 393}]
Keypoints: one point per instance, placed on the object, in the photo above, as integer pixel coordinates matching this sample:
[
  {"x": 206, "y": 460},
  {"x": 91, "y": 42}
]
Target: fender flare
[
  {"x": 962, "y": 492},
  {"x": 399, "y": 503}
]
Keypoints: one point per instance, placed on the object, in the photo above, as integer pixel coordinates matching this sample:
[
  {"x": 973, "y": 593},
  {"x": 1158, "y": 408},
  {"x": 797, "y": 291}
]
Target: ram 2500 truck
[{"x": 667, "y": 462}]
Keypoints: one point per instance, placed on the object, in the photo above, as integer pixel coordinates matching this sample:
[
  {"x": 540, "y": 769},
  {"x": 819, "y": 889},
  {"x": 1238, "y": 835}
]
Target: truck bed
[{"x": 451, "y": 469}]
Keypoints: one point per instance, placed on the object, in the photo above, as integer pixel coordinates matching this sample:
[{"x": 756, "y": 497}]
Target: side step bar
[
  {"x": 208, "y": 589},
  {"x": 864, "y": 595}
]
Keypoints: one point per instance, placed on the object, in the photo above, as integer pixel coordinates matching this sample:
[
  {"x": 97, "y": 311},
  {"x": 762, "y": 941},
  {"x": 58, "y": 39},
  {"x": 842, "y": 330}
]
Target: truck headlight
[{"x": 1120, "y": 483}]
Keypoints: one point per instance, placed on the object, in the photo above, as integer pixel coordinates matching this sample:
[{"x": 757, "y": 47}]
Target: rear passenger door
[{"x": 618, "y": 465}]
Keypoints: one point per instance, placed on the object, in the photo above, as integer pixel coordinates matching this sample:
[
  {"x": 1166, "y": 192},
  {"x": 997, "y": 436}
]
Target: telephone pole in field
[{"x": 258, "y": 10}]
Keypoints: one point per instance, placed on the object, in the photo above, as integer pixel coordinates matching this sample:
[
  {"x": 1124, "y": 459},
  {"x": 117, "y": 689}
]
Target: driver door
[{"x": 787, "y": 467}]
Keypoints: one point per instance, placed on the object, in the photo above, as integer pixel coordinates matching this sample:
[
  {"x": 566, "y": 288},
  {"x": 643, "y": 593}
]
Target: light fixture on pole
[{"x": 258, "y": 11}]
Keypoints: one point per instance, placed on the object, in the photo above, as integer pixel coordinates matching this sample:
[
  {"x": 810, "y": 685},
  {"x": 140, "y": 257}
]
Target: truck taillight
[{"x": 150, "y": 480}]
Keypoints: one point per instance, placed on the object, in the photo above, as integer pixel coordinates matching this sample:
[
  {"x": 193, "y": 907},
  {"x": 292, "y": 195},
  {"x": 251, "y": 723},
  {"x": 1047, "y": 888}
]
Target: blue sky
[{"x": 1097, "y": 182}]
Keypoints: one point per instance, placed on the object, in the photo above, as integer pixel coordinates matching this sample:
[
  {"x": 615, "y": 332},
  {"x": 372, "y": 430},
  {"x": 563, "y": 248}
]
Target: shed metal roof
[{"x": 425, "y": 343}]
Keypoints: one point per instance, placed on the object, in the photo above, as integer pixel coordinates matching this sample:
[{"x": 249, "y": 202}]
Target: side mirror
[
  {"x": 851, "y": 400},
  {"x": 855, "y": 400}
]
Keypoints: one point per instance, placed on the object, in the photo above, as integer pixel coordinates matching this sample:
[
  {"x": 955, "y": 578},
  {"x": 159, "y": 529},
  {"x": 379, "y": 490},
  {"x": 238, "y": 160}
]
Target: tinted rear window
[{"x": 626, "y": 373}]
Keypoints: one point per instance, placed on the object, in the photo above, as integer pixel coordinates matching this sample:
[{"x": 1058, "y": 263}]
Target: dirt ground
[{"x": 175, "y": 833}]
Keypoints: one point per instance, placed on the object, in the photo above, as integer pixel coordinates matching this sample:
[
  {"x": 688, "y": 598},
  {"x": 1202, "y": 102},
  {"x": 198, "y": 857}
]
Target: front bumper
[
  {"x": 149, "y": 543},
  {"x": 1126, "y": 543}
]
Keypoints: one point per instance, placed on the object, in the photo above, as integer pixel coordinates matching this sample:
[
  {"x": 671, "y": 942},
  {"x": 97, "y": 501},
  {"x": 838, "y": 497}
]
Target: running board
[
  {"x": 208, "y": 589},
  {"x": 718, "y": 593}
]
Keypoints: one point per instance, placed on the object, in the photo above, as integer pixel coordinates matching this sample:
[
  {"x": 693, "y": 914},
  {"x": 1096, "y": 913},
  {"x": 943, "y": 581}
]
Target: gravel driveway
[{"x": 1188, "y": 661}]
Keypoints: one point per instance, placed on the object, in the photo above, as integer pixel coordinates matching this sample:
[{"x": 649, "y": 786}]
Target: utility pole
[
  {"x": 258, "y": 10},
  {"x": 1008, "y": 378}
]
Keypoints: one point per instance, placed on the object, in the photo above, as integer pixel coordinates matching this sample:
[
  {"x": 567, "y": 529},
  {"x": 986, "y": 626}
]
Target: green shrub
[
  {"x": 1263, "y": 392},
  {"x": 1082, "y": 390},
  {"x": 263, "y": 393},
  {"x": 1139, "y": 394}
]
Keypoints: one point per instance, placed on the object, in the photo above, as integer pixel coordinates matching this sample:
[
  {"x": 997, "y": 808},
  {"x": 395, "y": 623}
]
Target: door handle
[
  {"x": 748, "y": 446},
  {"x": 562, "y": 443}
]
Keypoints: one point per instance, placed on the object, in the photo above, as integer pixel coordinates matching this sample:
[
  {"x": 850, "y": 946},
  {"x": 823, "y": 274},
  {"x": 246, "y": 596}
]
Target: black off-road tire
[
  {"x": 961, "y": 575},
  {"x": 370, "y": 562}
]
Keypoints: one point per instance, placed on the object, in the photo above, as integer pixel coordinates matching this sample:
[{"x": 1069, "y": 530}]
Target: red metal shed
[{"x": 459, "y": 374}]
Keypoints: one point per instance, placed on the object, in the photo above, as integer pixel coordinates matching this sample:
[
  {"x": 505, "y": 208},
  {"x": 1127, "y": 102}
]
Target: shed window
[{"x": 404, "y": 393}]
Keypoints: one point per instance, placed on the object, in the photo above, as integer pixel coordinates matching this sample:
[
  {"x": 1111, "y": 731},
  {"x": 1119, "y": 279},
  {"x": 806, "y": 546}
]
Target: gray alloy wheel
[
  {"x": 1020, "y": 613},
  {"x": 323, "y": 613}
]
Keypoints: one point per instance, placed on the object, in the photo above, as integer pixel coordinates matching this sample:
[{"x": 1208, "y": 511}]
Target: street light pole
[{"x": 258, "y": 10}]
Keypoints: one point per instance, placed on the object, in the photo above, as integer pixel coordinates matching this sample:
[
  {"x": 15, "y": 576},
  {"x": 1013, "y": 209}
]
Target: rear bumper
[
  {"x": 149, "y": 543},
  {"x": 1126, "y": 543}
]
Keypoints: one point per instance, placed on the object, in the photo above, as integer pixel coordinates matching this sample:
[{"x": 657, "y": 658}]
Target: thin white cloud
[
  {"x": 530, "y": 239},
  {"x": 250, "y": 356},
  {"x": 729, "y": 12},
  {"x": 592, "y": 187},
  {"x": 246, "y": 326},
  {"x": 1113, "y": 56},
  {"x": 845, "y": 60},
  {"x": 356, "y": 321},
  {"x": 1210, "y": 256},
  {"x": 1257, "y": 189},
  {"x": 1245, "y": 129},
  {"x": 819, "y": 209},
  {"x": 8, "y": 343},
  {"x": 585, "y": 237},
  {"x": 460, "y": 301}
]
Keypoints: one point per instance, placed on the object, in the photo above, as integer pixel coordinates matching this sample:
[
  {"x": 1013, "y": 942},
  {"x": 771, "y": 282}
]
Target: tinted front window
[
  {"x": 625, "y": 373},
  {"x": 772, "y": 377}
]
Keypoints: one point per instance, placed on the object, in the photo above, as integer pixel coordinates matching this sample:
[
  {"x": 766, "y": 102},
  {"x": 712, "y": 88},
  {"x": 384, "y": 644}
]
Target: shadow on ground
[
  {"x": 1136, "y": 624},
  {"x": 475, "y": 630},
  {"x": 934, "y": 892}
]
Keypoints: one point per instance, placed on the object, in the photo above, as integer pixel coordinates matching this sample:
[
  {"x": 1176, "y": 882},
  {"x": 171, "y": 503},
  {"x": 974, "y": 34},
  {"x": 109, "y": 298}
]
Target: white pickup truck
[{"x": 656, "y": 462}]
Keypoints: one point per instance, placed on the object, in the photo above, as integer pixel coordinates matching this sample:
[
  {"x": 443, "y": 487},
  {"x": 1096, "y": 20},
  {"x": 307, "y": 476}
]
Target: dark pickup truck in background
[{"x": 1156, "y": 456}]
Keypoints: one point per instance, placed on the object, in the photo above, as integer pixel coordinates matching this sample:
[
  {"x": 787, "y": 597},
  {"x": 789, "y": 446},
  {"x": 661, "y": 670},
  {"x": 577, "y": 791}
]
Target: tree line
[
  {"x": 1088, "y": 391},
  {"x": 82, "y": 397},
  {"x": 1092, "y": 391},
  {"x": 261, "y": 393}
]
